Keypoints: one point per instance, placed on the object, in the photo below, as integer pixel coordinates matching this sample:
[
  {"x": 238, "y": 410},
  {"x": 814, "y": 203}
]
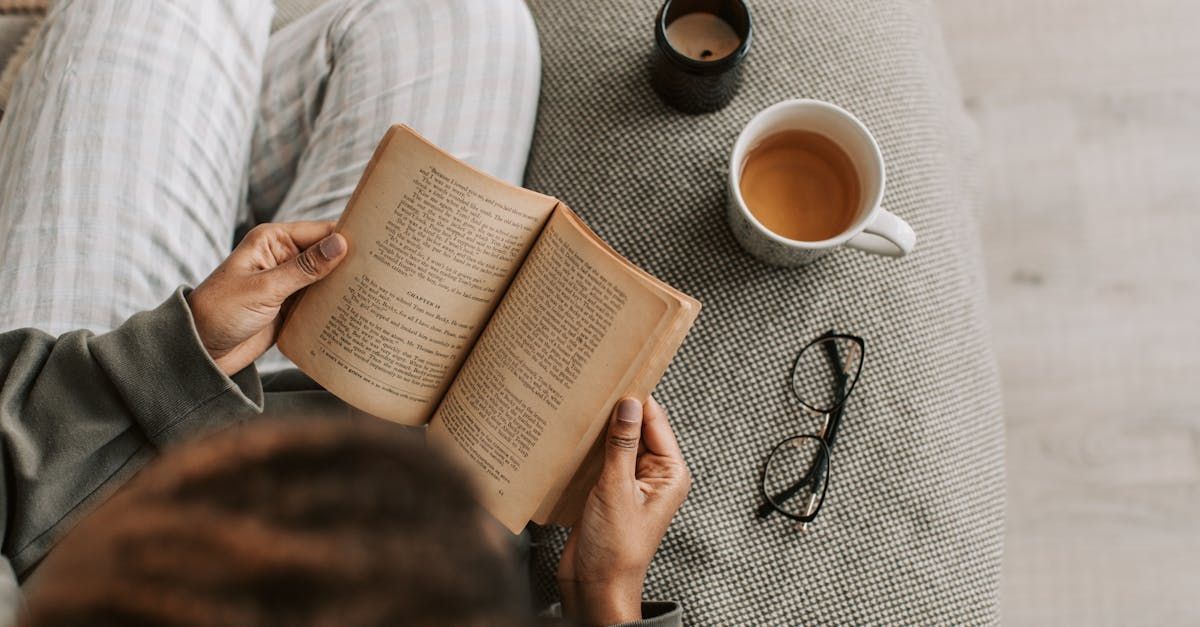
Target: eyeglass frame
[{"x": 826, "y": 436}]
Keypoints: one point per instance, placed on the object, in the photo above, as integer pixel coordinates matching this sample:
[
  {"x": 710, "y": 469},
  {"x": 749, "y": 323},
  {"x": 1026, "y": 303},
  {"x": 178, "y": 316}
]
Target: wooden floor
[{"x": 1089, "y": 111}]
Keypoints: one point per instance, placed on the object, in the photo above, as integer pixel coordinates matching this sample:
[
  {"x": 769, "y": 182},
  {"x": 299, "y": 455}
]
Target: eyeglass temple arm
[
  {"x": 835, "y": 417},
  {"x": 834, "y": 356}
]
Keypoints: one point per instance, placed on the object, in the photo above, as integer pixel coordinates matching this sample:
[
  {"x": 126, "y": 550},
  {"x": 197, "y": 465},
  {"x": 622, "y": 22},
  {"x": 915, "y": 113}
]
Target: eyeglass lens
[
  {"x": 796, "y": 474},
  {"x": 824, "y": 372}
]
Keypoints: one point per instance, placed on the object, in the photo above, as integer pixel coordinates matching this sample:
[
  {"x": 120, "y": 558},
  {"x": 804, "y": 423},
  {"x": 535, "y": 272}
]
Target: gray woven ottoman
[
  {"x": 912, "y": 526},
  {"x": 911, "y": 529}
]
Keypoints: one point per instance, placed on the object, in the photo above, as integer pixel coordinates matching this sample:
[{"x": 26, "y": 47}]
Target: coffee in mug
[
  {"x": 801, "y": 185},
  {"x": 806, "y": 177}
]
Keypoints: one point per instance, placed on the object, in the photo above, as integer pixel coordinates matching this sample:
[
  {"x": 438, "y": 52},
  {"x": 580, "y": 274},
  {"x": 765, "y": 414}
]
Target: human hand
[
  {"x": 643, "y": 483},
  {"x": 239, "y": 308}
]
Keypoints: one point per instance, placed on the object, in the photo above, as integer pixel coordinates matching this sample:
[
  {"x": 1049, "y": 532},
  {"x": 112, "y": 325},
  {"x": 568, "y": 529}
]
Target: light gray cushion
[{"x": 911, "y": 531}]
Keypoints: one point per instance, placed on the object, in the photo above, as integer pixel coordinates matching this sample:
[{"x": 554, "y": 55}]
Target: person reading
[
  {"x": 350, "y": 523},
  {"x": 137, "y": 139}
]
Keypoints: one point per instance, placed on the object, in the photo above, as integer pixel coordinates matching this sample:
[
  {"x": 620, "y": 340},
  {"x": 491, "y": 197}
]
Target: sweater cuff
[
  {"x": 654, "y": 614},
  {"x": 172, "y": 386},
  {"x": 658, "y": 614}
]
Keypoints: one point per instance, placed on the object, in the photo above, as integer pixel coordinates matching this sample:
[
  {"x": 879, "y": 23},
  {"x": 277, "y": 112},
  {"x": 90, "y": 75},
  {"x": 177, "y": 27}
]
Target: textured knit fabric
[
  {"x": 125, "y": 148},
  {"x": 911, "y": 530}
]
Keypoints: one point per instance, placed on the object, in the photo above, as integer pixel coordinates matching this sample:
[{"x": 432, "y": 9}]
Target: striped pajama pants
[{"x": 141, "y": 134}]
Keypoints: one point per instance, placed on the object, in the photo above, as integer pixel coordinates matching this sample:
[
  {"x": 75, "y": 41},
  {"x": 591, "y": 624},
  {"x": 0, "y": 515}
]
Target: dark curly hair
[{"x": 315, "y": 523}]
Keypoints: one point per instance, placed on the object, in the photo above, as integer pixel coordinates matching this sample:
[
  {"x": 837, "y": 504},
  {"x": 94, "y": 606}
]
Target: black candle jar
[{"x": 695, "y": 84}]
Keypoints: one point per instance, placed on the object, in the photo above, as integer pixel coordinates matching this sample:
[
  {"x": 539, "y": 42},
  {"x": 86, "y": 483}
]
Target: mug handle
[{"x": 887, "y": 235}]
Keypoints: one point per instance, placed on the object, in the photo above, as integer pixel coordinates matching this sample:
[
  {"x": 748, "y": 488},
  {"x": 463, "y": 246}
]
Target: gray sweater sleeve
[{"x": 81, "y": 413}]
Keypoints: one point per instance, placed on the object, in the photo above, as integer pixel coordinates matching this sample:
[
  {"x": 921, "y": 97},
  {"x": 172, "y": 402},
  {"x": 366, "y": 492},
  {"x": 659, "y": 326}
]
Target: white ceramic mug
[{"x": 874, "y": 229}]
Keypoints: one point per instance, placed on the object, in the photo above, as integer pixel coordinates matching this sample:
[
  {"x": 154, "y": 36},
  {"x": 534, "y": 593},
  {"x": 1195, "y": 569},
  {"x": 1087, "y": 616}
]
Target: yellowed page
[
  {"x": 564, "y": 502},
  {"x": 433, "y": 246},
  {"x": 574, "y": 332}
]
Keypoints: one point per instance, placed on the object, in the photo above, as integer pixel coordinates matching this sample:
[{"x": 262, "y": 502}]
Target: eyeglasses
[{"x": 796, "y": 475}]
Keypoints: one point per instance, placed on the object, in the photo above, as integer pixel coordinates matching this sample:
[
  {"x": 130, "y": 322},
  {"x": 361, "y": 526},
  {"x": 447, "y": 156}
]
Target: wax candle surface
[{"x": 702, "y": 36}]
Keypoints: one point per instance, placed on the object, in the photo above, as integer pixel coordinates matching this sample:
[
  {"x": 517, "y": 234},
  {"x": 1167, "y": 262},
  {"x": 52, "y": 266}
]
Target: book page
[
  {"x": 575, "y": 332},
  {"x": 564, "y": 502},
  {"x": 433, "y": 246}
]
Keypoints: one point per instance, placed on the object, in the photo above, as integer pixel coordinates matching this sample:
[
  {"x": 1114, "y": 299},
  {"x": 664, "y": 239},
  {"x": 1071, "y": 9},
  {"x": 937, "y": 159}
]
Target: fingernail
[
  {"x": 332, "y": 246},
  {"x": 629, "y": 410}
]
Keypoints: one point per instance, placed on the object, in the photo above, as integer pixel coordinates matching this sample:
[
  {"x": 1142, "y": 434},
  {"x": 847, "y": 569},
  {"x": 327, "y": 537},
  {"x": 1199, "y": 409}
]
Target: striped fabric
[{"x": 140, "y": 134}]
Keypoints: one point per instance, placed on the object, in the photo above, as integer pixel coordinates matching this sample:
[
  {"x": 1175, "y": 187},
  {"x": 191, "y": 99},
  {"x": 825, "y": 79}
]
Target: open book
[{"x": 492, "y": 314}]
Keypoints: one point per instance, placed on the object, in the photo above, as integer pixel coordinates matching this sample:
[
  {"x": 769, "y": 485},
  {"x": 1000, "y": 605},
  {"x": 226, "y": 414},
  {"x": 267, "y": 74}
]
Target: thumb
[
  {"x": 621, "y": 446},
  {"x": 310, "y": 266}
]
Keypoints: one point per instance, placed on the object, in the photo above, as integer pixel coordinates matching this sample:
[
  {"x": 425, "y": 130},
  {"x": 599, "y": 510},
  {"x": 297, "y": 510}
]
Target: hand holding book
[
  {"x": 642, "y": 485},
  {"x": 239, "y": 307},
  {"x": 493, "y": 315}
]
